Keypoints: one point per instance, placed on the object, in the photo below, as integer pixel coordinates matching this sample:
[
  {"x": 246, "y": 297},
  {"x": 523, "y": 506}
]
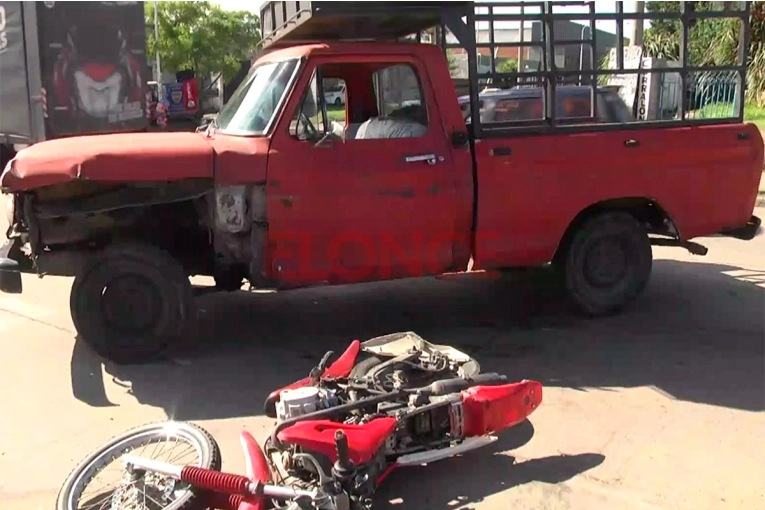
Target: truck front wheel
[
  {"x": 608, "y": 263},
  {"x": 131, "y": 303}
]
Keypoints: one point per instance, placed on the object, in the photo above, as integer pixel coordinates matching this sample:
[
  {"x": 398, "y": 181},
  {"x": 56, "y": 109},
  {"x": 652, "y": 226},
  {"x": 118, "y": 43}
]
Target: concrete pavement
[{"x": 661, "y": 407}]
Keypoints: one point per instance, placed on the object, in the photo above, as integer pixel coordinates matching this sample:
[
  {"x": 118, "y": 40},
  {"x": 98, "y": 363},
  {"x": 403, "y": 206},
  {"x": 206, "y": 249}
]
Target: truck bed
[{"x": 704, "y": 177}]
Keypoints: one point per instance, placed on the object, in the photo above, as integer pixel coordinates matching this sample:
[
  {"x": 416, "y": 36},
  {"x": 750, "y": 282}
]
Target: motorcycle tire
[
  {"x": 361, "y": 368},
  {"x": 190, "y": 499}
]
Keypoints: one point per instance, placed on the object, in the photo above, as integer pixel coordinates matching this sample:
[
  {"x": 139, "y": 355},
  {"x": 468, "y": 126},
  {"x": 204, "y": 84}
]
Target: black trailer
[
  {"x": 457, "y": 26},
  {"x": 70, "y": 68}
]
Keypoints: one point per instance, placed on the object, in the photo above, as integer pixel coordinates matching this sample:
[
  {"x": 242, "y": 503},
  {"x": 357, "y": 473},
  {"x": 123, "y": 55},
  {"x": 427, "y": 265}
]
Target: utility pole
[
  {"x": 637, "y": 27},
  {"x": 521, "y": 49},
  {"x": 157, "y": 70}
]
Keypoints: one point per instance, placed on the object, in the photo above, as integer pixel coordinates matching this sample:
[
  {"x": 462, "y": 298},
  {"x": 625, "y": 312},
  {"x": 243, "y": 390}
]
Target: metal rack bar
[{"x": 462, "y": 19}]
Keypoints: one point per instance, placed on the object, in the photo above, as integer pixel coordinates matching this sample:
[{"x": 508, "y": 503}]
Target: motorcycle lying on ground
[{"x": 339, "y": 433}]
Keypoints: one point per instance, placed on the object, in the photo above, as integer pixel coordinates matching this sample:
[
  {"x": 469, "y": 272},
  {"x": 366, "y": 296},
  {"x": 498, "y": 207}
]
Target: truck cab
[{"x": 281, "y": 192}]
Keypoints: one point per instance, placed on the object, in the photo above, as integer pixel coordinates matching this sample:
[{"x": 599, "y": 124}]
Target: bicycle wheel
[{"x": 175, "y": 443}]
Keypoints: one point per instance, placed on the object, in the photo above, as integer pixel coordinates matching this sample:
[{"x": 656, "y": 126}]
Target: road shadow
[
  {"x": 464, "y": 482},
  {"x": 696, "y": 335}
]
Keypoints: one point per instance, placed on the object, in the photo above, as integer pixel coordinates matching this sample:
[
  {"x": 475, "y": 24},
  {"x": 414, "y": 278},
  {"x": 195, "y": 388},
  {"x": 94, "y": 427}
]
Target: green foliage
[
  {"x": 712, "y": 42},
  {"x": 755, "y": 76},
  {"x": 452, "y": 60},
  {"x": 603, "y": 64},
  {"x": 509, "y": 65},
  {"x": 201, "y": 36},
  {"x": 709, "y": 40}
]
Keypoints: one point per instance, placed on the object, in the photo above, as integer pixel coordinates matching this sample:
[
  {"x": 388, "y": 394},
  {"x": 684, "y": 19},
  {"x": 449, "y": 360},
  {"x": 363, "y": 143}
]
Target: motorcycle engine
[{"x": 300, "y": 401}]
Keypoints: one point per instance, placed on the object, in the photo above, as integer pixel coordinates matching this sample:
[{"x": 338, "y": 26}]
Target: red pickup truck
[{"x": 276, "y": 193}]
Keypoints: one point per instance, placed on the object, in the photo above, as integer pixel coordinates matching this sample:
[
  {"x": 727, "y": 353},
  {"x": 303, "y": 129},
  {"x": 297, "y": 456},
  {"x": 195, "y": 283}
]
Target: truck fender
[{"x": 645, "y": 210}]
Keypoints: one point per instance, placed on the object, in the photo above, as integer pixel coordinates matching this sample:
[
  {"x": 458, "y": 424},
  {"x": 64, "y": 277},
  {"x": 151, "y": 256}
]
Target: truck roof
[{"x": 425, "y": 51}]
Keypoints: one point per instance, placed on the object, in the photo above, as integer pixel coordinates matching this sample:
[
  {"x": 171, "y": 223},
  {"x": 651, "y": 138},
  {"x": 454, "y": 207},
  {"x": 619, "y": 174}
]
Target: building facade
[{"x": 569, "y": 57}]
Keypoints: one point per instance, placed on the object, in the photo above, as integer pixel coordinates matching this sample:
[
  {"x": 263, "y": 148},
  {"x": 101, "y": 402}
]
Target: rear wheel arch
[{"x": 646, "y": 211}]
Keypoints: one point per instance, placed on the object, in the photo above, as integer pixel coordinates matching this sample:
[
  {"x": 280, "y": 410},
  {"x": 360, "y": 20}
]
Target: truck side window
[
  {"x": 576, "y": 107},
  {"x": 512, "y": 109},
  {"x": 400, "y": 104},
  {"x": 309, "y": 121}
]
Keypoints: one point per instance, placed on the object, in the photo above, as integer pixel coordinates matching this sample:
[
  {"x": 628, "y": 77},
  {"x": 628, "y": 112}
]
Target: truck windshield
[{"x": 255, "y": 103}]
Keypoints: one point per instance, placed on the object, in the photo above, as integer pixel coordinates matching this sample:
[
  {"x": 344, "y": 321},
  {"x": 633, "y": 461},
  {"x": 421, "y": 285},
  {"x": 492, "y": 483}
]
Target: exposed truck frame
[{"x": 132, "y": 215}]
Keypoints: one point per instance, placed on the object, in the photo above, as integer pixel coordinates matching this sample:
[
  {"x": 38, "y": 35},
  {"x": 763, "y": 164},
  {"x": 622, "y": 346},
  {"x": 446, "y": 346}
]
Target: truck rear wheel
[
  {"x": 608, "y": 264},
  {"x": 131, "y": 303}
]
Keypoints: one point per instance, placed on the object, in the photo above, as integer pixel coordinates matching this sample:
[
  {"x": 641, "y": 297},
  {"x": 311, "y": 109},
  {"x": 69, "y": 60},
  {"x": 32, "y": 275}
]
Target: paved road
[{"x": 661, "y": 407}]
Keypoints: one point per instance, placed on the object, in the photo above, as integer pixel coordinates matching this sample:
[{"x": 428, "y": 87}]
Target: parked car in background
[
  {"x": 335, "y": 95},
  {"x": 525, "y": 103}
]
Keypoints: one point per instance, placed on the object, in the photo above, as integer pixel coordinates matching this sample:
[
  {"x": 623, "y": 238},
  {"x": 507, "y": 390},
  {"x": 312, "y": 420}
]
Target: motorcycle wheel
[
  {"x": 361, "y": 368},
  {"x": 152, "y": 491}
]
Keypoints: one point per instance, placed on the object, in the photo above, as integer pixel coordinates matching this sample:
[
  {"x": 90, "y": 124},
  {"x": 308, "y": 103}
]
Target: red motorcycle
[{"x": 339, "y": 433}]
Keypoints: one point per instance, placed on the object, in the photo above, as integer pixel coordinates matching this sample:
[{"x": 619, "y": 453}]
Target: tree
[
  {"x": 454, "y": 64},
  {"x": 662, "y": 38},
  {"x": 755, "y": 76},
  {"x": 712, "y": 42},
  {"x": 202, "y": 37},
  {"x": 509, "y": 65}
]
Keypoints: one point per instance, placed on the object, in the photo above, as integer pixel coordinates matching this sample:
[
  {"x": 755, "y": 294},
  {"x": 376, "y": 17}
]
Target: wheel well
[
  {"x": 646, "y": 211},
  {"x": 179, "y": 228},
  {"x": 7, "y": 153}
]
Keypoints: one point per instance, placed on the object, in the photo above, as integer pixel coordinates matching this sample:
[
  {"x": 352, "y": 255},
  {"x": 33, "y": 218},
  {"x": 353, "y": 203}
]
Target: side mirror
[{"x": 460, "y": 138}]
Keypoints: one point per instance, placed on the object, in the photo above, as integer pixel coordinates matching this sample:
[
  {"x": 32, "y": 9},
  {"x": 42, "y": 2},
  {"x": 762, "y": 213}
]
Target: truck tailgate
[{"x": 531, "y": 188}]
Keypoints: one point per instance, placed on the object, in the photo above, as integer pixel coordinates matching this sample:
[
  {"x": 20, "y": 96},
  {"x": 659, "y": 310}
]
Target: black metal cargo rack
[
  {"x": 289, "y": 23},
  {"x": 285, "y": 23}
]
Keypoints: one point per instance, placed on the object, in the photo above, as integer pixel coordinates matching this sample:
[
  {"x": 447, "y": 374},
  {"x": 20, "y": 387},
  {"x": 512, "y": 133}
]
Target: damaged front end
[
  {"x": 13, "y": 259},
  {"x": 54, "y": 230}
]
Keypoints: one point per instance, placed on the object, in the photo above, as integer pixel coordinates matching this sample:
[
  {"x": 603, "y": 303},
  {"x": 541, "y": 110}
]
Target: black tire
[
  {"x": 598, "y": 287},
  {"x": 229, "y": 279},
  {"x": 193, "y": 500},
  {"x": 364, "y": 366},
  {"x": 110, "y": 323},
  {"x": 338, "y": 102}
]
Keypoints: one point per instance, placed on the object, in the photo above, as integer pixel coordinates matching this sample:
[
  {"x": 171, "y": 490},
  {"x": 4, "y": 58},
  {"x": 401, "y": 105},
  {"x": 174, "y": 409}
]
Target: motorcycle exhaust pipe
[{"x": 447, "y": 386}]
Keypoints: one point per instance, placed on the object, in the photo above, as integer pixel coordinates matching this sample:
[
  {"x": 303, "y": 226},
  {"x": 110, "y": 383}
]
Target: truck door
[{"x": 371, "y": 195}]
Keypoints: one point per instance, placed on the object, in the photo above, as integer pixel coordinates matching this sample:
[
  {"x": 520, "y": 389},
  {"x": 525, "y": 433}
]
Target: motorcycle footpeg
[{"x": 344, "y": 468}]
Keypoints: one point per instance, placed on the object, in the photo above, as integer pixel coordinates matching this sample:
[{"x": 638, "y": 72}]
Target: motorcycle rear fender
[
  {"x": 364, "y": 441},
  {"x": 489, "y": 409},
  {"x": 340, "y": 368},
  {"x": 256, "y": 468}
]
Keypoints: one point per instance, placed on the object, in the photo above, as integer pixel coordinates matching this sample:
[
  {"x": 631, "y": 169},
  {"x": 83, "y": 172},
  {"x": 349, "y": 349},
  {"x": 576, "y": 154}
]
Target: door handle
[
  {"x": 631, "y": 143},
  {"x": 501, "y": 151},
  {"x": 430, "y": 159}
]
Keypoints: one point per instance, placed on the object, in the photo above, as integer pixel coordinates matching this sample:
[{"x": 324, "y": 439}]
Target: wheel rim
[
  {"x": 150, "y": 492},
  {"x": 606, "y": 262},
  {"x": 131, "y": 304}
]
